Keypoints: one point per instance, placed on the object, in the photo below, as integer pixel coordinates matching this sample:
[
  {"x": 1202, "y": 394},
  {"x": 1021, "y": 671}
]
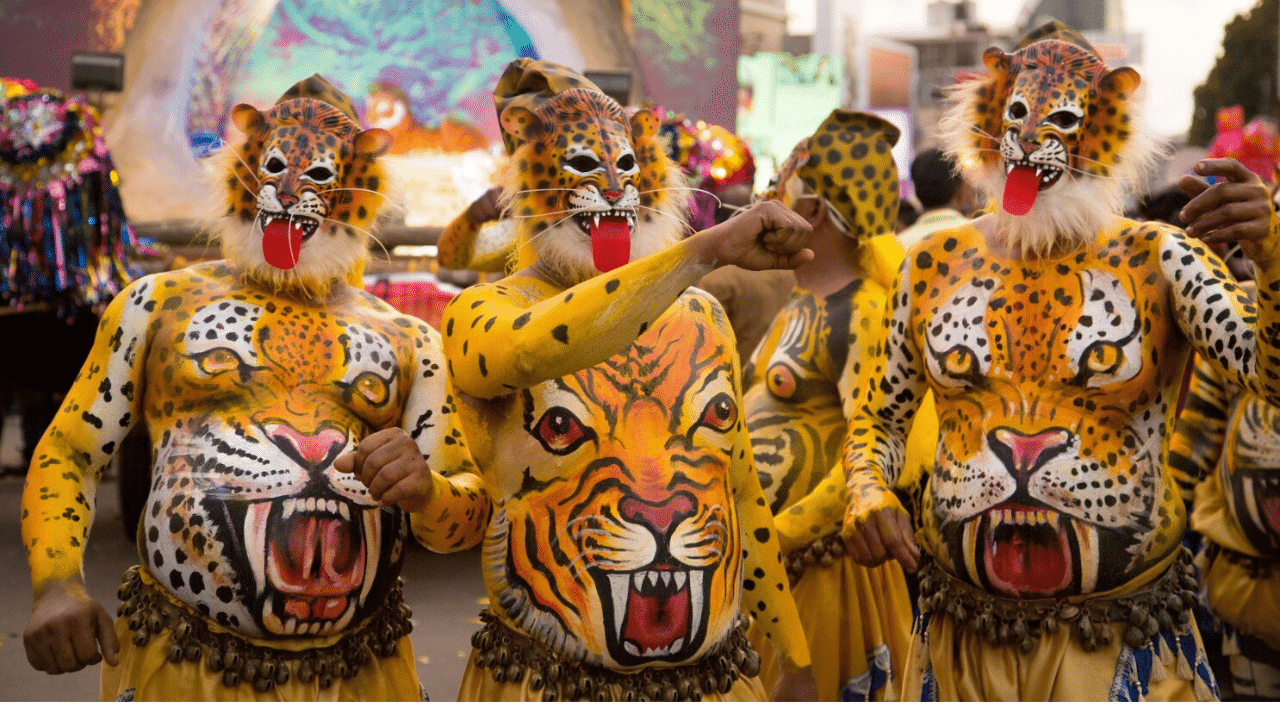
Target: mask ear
[
  {"x": 996, "y": 60},
  {"x": 520, "y": 123},
  {"x": 372, "y": 142},
  {"x": 248, "y": 119},
  {"x": 986, "y": 111},
  {"x": 644, "y": 125},
  {"x": 1103, "y": 139}
]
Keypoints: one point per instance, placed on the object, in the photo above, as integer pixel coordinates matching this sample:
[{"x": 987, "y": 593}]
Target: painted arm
[
  {"x": 67, "y": 626},
  {"x": 102, "y": 405},
  {"x": 497, "y": 344},
  {"x": 1238, "y": 338},
  {"x": 469, "y": 244},
  {"x": 423, "y": 466},
  {"x": 1200, "y": 430},
  {"x": 884, "y": 405},
  {"x": 455, "y": 513},
  {"x": 821, "y": 511}
]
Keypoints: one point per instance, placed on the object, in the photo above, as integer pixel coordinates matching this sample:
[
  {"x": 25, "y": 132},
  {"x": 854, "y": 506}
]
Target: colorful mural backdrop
[{"x": 688, "y": 52}]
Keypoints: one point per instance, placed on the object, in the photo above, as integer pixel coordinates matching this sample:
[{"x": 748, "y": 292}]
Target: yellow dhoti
[
  {"x": 857, "y": 621},
  {"x": 950, "y": 661},
  {"x": 146, "y": 672}
]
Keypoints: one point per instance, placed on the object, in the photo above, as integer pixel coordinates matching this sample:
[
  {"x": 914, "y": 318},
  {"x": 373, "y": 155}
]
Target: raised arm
[
  {"x": 1238, "y": 338},
  {"x": 497, "y": 342},
  {"x": 475, "y": 239}
]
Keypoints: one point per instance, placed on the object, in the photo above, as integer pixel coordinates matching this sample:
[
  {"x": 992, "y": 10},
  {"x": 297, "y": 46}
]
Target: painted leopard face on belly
[
  {"x": 618, "y": 539},
  {"x": 1051, "y": 419},
  {"x": 248, "y": 521}
]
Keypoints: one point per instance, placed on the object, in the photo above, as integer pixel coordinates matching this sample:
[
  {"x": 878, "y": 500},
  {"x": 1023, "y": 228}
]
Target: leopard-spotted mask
[
  {"x": 306, "y": 184},
  {"x": 1051, "y": 133}
]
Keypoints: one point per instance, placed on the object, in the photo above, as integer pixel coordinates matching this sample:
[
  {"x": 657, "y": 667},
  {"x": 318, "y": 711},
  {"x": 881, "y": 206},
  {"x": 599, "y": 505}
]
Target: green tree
[{"x": 1245, "y": 73}]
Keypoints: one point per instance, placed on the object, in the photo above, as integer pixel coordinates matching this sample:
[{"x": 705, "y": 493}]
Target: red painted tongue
[
  {"x": 1271, "y": 511},
  {"x": 610, "y": 243},
  {"x": 656, "y": 621},
  {"x": 1020, "y": 190},
  {"x": 281, "y": 244},
  {"x": 1031, "y": 568}
]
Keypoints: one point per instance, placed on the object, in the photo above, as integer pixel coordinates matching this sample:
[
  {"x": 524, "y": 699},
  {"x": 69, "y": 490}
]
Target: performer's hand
[
  {"x": 391, "y": 465},
  {"x": 766, "y": 237},
  {"x": 485, "y": 208},
  {"x": 877, "y": 528},
  {"x": 796, "y": 686},
  {"x": 66, "y": 629},
  {"x": 1237, "y": 208}
]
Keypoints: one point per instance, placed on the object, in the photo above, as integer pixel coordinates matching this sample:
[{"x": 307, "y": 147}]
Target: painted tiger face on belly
[
  {"x": 1051, "y": 382},
  {"x": 250, "y": 402},
  {"x": 618, "y": 542},
  {"x": 1250, "y": 472}
]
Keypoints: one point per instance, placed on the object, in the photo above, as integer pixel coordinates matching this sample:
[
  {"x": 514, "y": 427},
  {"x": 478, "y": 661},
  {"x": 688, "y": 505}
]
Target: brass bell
[
  {"x": 213, "y": 660},
  {"x": 142, "y": 637},
  {"x": 249, "y": 671},
  {"x": 586, "y": 685},
  {"x": 306, "y": 672},
  {"x": 325, "y": 681},
  {"x": 263, "y": 684},
  {"x": 515, "y": 673},
  {"x": 554, "y": 672},
  {"x": 1134, "y": 638},
  {"x": 192, "y": 653},
  {"x": 550, "y": 695},
  {"x": 230, "y": 678},
  {"x": 1137, "y": 616},
  {"x": 535, "y": 681},
  {"x": 669, "y": 694},
  {"x": 282, "y": 673},
  {"x": 498, "y": 672}
]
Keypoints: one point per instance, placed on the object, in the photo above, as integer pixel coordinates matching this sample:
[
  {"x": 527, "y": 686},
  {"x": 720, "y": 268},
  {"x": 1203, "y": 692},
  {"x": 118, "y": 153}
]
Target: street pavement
[{"x": 445, "y": 592}]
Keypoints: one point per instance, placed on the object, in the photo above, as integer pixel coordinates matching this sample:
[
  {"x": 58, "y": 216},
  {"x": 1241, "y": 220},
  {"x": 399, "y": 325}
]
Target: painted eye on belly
[
  {"x": 782, "y": 381},
  {"x": 561, "y": 432},
  {"x": 959, "y": 362},
  {"x": 1100, "y": 359},
  {"x": 217, "y": 361},
  {"x": 720, "y": 414},
  {"x": 372, "y": 388}
]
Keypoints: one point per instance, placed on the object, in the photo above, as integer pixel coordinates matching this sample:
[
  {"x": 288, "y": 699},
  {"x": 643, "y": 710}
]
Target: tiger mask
[
  {"x": 1052, "y": 133},
  {"x": 589, "y": 188},
  {"x": 303, "y": 190}
]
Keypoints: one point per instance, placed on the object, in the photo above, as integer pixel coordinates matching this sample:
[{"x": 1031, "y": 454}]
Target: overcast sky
[{"x": 1183, "y": 39}]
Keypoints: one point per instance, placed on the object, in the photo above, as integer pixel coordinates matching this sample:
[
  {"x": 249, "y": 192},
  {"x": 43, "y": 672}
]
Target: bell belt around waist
[
  {"x": 1161, "y": 605},
  {"x": 824, "y": 552},
  {"x": 149, "y": 610},
  {"x": 510, "y": 656}
]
